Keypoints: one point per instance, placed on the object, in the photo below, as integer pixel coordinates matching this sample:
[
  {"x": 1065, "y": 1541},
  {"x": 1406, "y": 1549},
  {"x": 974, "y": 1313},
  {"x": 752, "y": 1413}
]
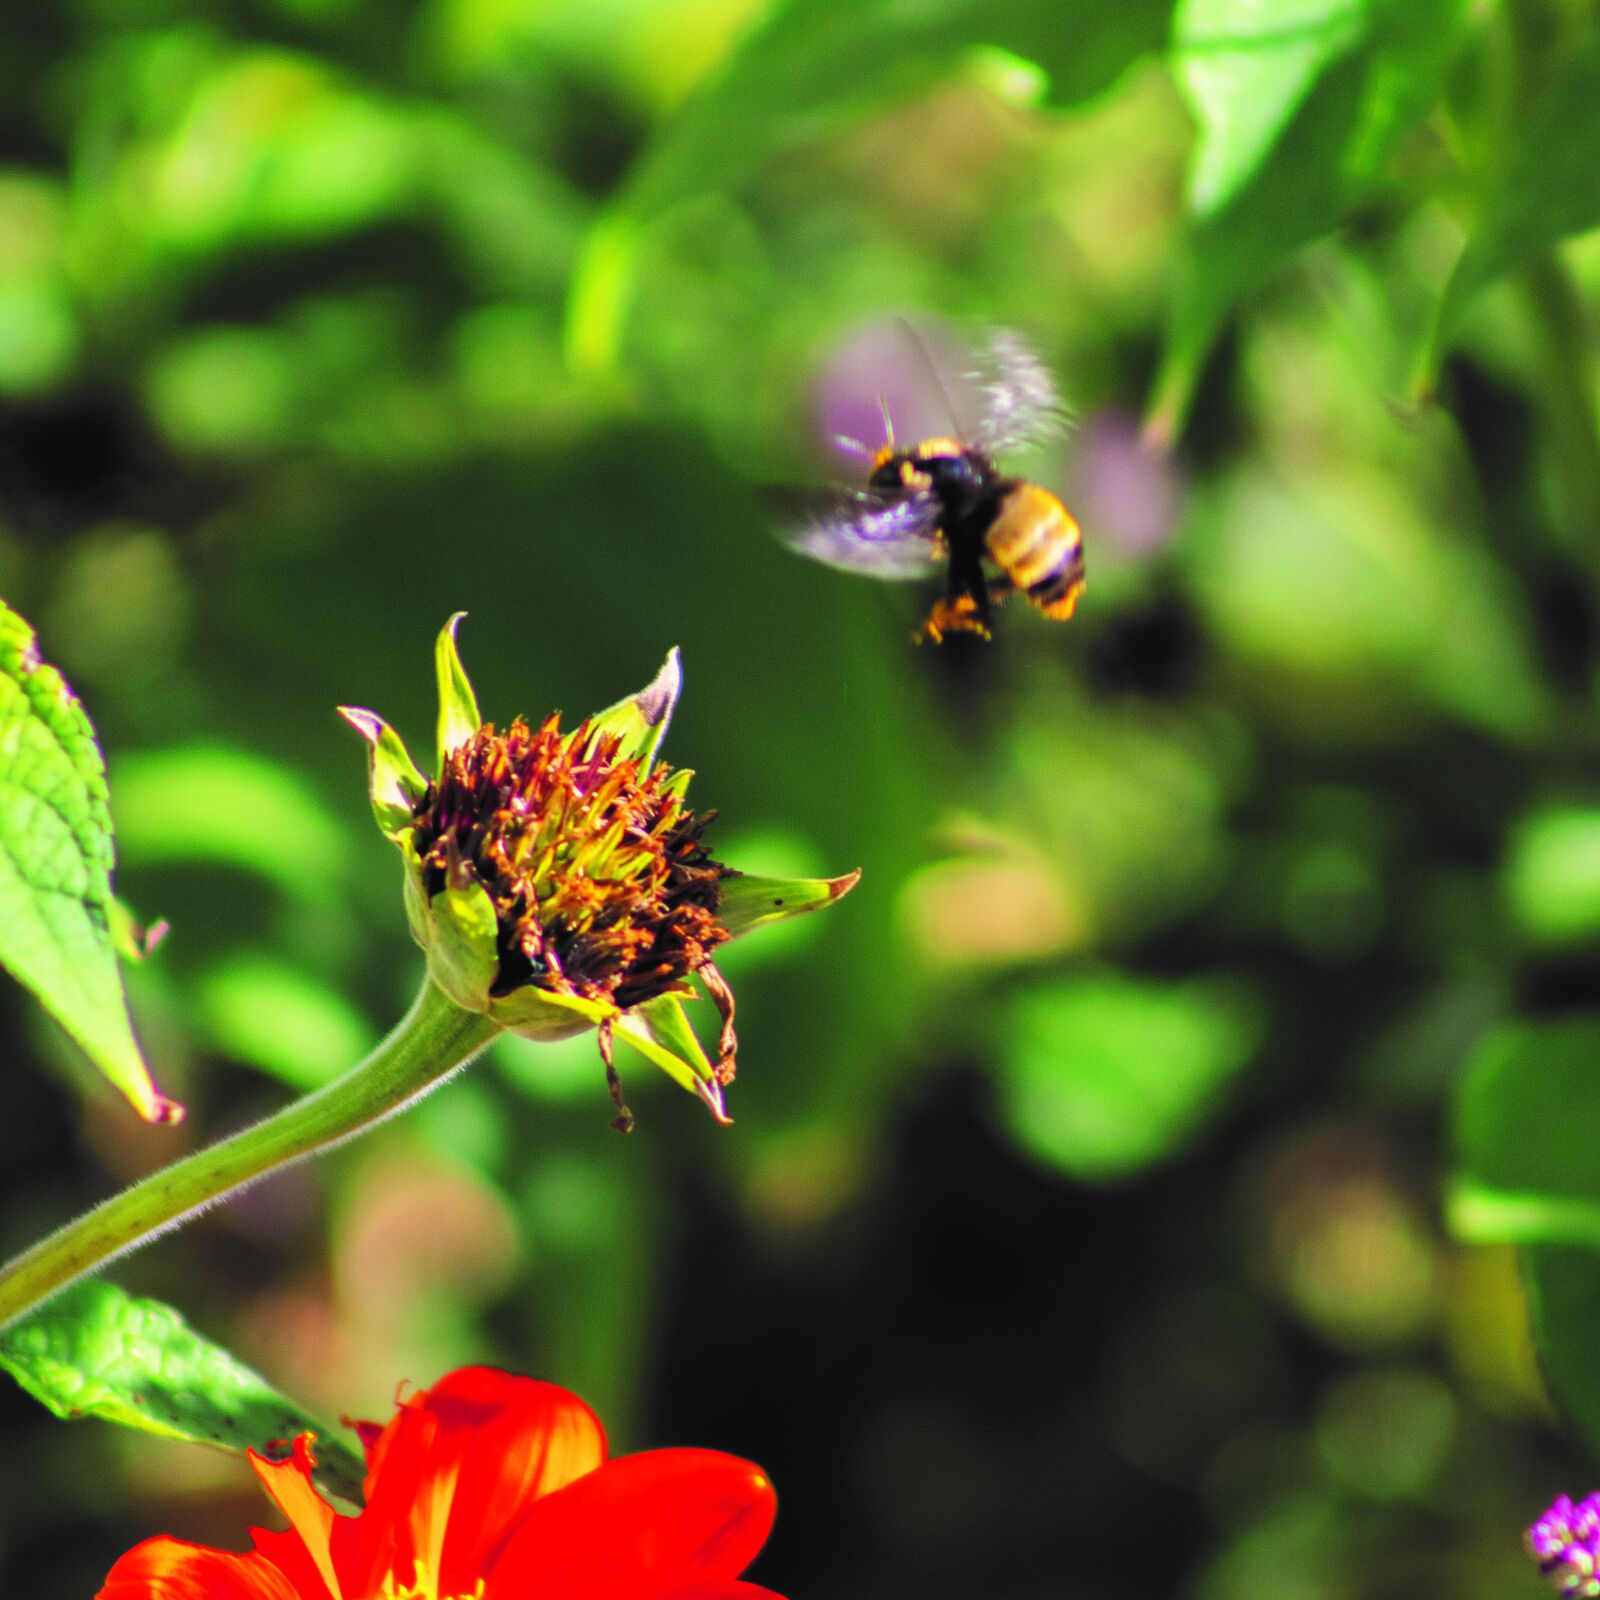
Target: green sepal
[
  {"x": 660, "y": 1032},
  {"x": 416, "y": 898},
  {"x": 640, "y": 721},
  {"x": 458, "y": 705},
  {"x": 462, "y": 953},
  {"x": 540, "y": 1015},
  {"x": 668, "y": 1024},
  {"x": 748, "y": 902},
  {"x": 393, "y": 782}
]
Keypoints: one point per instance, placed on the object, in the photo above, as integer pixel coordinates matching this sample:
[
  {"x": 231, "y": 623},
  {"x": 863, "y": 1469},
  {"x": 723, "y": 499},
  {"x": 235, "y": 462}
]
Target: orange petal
[
  {"x": 288, "y": 1484},
  {"x": 639, "y": 1528},
  {"x": 168, "y": 1569},
  {"x": 462, "y": 1464}
]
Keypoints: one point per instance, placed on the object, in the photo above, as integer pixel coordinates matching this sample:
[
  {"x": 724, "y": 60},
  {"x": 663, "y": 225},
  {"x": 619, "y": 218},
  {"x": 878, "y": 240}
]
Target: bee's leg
[{"x": 964, "y": 609}]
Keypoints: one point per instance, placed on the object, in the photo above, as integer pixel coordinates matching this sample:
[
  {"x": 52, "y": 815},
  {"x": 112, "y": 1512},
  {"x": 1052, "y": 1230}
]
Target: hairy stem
[{"x": 435, "y": 1039}]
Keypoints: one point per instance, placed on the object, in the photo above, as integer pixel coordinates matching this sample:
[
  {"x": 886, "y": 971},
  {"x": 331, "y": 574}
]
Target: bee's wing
[
  {"x": 1018, "y": 396},
  {"x": 886, "y": 536}
]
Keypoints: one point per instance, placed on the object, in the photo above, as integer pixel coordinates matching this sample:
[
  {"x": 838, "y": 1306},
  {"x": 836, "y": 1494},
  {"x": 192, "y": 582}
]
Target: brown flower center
[{"x": 600, "y": 882}]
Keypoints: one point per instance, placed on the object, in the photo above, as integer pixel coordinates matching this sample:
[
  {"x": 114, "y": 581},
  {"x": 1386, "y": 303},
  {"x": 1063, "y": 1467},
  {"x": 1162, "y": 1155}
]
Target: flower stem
[{"x": 434, "y": 1039}]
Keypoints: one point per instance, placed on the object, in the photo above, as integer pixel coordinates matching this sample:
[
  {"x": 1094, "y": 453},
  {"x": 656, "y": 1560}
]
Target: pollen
[
  {"x": 423, "y": 1586},
  {"x": 601, "y": 883}
]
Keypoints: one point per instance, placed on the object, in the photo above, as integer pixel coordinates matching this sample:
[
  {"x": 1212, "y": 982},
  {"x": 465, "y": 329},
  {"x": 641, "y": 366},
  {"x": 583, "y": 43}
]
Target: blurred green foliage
[{"x": 1087, "y": 1161}]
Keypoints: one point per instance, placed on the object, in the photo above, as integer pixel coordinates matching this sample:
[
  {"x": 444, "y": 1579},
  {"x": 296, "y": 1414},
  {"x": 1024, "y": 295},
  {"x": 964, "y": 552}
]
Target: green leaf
[
  {"x": 1552, "y": 874},
  {"x": 1322, "y": 163},
  {"x": 641, "y": 719},
  {"x": 1547, "y": 190},
  {"x": 1245, "y": 69},
  {"x": 748, "y": 902},
  {"x": 218, "y": 803},
  {"x": 1527, "y": 1128},
  {"x": 281, "y": 1019},
  {"x": 393, "y": 782},
  {"x": 56, "y": 858},
  {"x": 1103, "y": 1076},
  {"x": 95, "y": 1351},
  {"x": 810, "y": 66},
  {"x": 458, "y": 706},
  {"x": 1563, "y": 1288}
]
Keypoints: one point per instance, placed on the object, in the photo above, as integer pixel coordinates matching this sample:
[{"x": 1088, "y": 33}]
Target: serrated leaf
[
  {"x": 1324, "y": 160},
  {"x": 1547, "y": 190},
  {"x": 56, "y": 857},
  {"x": 1527, "y": 1126},
  {"x": 95, "y": 1351},
  {"x": 811, "y": 65}
]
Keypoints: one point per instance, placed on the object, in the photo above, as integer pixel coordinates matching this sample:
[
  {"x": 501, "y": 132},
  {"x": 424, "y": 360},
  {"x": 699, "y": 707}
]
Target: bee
[{"x": 943, "y": 499}]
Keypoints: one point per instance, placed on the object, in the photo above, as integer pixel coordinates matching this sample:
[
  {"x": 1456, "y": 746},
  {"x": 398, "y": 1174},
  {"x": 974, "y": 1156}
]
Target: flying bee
[{"x": 943, "y": 499}]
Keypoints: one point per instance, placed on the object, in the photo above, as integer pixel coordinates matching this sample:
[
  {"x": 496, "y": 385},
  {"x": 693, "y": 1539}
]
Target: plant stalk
[{"x": 435, "y": 1039}]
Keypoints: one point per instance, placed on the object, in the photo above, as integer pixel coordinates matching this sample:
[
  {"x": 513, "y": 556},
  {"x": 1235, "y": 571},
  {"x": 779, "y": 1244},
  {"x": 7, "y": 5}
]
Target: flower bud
[{"x": 559, "y": 881}]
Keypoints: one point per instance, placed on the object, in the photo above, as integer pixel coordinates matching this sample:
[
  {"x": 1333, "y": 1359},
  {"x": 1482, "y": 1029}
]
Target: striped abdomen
[{"x": 1036, "y": 542}]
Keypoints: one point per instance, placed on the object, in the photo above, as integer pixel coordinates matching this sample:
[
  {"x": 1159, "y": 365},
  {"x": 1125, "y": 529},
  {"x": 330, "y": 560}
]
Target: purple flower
[{"x": 1565, "y": 1542}]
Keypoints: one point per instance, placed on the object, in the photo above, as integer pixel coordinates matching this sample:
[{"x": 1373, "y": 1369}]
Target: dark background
[{"x": 1080, "y": 1230}]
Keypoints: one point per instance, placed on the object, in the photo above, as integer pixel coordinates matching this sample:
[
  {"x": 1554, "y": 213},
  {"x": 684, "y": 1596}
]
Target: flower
[
  {"x": 1565, "y": 1542},
  {"x": 487, "y": 1486},
  {"x": 559, "y": 881}
]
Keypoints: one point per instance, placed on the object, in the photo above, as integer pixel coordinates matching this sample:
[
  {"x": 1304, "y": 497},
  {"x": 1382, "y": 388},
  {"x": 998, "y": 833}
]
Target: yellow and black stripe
[{"x": 1037, "y": 544}]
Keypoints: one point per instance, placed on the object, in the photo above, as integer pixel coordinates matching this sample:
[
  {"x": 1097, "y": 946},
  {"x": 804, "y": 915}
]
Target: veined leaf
[
  {"x": 55, "y": 866},
  {"x": 95, "y": 1351}
]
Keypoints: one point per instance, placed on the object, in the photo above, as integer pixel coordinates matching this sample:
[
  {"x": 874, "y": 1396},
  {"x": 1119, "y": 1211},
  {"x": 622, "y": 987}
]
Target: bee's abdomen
[{"x": 1036, "y": 542}]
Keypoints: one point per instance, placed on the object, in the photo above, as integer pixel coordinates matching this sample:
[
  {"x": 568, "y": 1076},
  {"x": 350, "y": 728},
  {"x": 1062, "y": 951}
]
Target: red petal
[
  {"x": 167, "y": 1569},
  {"x": 456, "y": 1470},
  {"x": 639, "y": 1528}
]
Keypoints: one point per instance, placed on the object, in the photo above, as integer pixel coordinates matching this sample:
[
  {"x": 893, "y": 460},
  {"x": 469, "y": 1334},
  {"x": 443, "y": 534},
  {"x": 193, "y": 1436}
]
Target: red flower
[{"x": 486, "y": 1487}]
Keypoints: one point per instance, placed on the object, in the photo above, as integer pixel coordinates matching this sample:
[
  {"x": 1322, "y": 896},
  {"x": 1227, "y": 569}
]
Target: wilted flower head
[
  {"x": 559, "y": 881},
  {"x": 1565, "y": 1542},
  {"x": 487, "y": 1486}
]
